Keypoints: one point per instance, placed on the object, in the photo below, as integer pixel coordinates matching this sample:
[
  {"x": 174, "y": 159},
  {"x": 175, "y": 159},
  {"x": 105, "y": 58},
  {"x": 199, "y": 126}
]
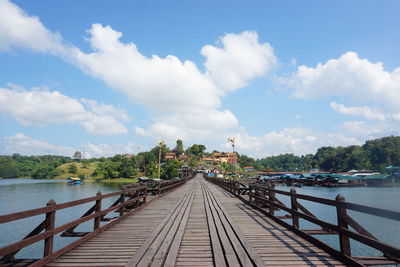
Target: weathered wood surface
[{"x": 197, "y": 224}]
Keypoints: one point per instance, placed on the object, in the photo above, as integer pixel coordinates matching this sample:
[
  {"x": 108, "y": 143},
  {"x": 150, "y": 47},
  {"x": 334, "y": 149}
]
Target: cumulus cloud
[
  {"x": 20, "y": 143},
  {"x": 204, "y": 125},
  {"x": 298, "y": 140},
  {"x": 240, "y": 59},
  {"x": 107, "y": 150},
  {"x": 40, "y": 107},
  {"x": 363, "y": 130},
  {"x": 348, "y": 76},
  {"x": 18, "y": 29},
  {"x": 183, "y": 101},
  {"x": 26, "y": 145},
  {"x": 363, "y": 111},
  {"x": 373, "y": 91}
]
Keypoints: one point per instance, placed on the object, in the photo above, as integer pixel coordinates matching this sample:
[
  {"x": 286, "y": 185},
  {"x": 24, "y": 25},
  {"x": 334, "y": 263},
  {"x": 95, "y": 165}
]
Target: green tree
[
  {"x": 73, "y": 169},
  {"x": 170, "y": 169},
  {"x": 179, "y": 147},
  {"x": 77, "y": 155},
  {"x": 151, "y": 170}
]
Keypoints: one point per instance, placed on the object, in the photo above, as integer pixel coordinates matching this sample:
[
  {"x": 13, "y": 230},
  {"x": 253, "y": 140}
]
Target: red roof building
[{"x": 170, "y": 156}]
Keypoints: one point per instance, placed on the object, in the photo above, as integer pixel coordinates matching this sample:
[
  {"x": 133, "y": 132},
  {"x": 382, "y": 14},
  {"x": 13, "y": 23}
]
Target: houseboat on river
[{"x": 74, "y": 180}]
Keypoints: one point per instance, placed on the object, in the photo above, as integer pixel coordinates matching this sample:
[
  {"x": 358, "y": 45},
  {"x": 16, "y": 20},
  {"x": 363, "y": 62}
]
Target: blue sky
[{"x": 115, "y": 77}]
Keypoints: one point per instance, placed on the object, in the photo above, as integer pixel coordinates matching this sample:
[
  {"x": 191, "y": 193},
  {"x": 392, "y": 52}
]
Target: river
[
  {"x": 23, "y": 194},
  {"x": 380, "y": 197}
]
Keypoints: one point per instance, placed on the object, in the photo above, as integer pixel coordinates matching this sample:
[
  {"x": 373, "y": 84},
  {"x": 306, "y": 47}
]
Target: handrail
[
  {"x": 263, "y": 197},
  {"x": 34, "y": 212},
  {"x": 389, "y": 214},
  {"x": 130, "y": 198},
  {"x": 162, "y": 186}
]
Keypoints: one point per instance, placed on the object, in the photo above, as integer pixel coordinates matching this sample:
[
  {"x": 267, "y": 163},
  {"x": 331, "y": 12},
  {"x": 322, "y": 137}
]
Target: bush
[{"x": 73, "y": 169}]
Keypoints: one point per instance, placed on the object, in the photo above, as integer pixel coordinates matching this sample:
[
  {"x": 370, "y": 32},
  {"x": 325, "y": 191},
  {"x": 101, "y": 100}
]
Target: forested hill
[
  {"x": 374, "y": 154},
  {"x": 30, "y": 166}
]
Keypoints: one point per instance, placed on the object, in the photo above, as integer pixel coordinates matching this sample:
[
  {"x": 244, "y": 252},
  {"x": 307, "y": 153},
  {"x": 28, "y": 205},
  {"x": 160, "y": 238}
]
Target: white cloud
[
  {"x": 160, "y": 84},
  {"x": 298, "y": 116},
  {"x": 107, "y": 150},
  {"x": 299, "y": 141},
  {"x": 363, "y": 111},
  {"x": 363, "y": 130},
  {"x": 20, "y": 143},
  {"x": 41, "y": 107},
  {"x": 191, "y": 126},
  {"x": 374, "y": 92},
  {"x": 240, "y": 59},
  {"x": 26, "y": 145},
  {"x": 350, "y": 77},
  {"x": 184, "y": 102},
  {"x": 18, "y": 29}
]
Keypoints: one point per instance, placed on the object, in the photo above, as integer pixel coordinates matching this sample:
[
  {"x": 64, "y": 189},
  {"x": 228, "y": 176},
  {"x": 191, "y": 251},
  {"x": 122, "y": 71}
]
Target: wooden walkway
[{"x": 197, "y": 224}]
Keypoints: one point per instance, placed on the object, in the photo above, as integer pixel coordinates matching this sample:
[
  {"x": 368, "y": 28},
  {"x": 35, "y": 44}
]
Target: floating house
[
  {"x": 74, "y": 180},
  {"x": 378, "y": 180},
  {"x": 336, "y": 180}
]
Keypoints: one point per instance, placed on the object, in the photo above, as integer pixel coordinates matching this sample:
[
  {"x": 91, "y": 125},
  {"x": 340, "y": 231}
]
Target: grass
[
  {"x": 88, "y": 172},
  {"x": 91, "y": 166}
]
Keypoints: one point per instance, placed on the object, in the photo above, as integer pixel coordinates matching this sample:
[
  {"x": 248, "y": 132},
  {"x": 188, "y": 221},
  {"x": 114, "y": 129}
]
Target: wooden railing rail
[
  {"x": 162, "y": 186},
  {"x": 263, "y": 197},
  {"x": 136, "y": 196}
]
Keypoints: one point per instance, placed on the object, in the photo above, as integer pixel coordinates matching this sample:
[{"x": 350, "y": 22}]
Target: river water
[
  {"x": 23, "y": 194},
  {"x": 380, "y": 197}
]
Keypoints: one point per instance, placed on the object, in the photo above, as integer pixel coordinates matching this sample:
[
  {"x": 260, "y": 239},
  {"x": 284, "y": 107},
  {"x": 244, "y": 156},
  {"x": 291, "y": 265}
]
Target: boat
[
  {"x": 298, "y": 185},
  {"x": 74, "y": 180}
]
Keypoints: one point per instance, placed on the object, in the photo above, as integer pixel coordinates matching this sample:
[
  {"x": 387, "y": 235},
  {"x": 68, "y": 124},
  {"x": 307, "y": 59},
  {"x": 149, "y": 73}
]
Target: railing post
[
  {"x": 50, "y": 222},
  {"x": 344, "y": 240},
  {"x": 144, "y": 193},
  {"x": 257, "y": 195},
  {"x": 270, "y": 200},
  {"x": 293, "y": 200},
  {"x": 249, "y": 193},
  {"x": 264, "y": 193},
  {"x": 136, "y": 195},
  {"x": 121, "y": 201},
  {"x": 97, "y": 209}
]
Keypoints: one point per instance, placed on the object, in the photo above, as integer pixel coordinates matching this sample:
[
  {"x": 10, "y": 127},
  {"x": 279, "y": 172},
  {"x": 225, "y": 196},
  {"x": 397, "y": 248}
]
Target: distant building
[
  {"x": 183, "y": 157},
  {"x": 170, "y": 155},
  {"x": 249, "y": 168},
  {"x": 232, "y": 158},
  {"x": 219, "y": 158}
]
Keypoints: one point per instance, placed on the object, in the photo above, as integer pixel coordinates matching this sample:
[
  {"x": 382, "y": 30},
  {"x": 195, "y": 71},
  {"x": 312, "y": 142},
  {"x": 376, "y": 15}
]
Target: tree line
[
  {"x": 374, "y": 154},
  {"x": 37, "y": 167}
]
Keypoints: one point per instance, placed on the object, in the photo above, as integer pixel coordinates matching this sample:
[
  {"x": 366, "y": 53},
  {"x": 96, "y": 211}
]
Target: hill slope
[{"x": 80, "y": 170}]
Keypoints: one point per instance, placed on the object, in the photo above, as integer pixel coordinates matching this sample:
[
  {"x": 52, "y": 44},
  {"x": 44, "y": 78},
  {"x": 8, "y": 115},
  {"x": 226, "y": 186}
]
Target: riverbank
[{"x": 114, "y": 181}]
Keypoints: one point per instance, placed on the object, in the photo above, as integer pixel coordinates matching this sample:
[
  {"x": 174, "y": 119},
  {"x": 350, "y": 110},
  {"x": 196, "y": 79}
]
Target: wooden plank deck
[{"x": 197, "y": 224}]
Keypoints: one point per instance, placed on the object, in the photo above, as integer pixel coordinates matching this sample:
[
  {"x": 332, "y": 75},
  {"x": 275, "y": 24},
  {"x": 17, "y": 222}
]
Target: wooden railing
[
  {"x": 130, "y": 198},
  {"x": 264, "y": 198},
  {"x": 162, "y": 186}
]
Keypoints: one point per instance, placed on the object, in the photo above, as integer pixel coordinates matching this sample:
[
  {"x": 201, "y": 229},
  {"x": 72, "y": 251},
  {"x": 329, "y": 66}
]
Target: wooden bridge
[{"x": 200, "y": 222}]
